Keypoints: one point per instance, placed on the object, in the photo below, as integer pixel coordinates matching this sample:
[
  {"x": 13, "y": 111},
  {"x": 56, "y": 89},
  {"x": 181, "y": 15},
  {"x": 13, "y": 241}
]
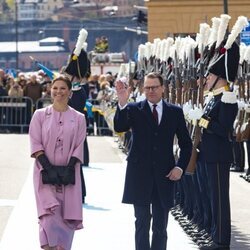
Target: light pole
[
  {"x": 225, "y": 6},
  {"x": 16, "y": 32}
]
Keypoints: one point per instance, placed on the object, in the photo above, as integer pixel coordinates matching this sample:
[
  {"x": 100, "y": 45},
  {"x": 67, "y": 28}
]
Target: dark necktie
[{"x": 155, "y": 113}]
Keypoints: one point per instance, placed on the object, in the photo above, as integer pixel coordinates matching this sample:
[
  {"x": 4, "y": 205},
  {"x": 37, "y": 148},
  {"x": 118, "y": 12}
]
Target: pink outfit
[{"x": 60, "y": 135}]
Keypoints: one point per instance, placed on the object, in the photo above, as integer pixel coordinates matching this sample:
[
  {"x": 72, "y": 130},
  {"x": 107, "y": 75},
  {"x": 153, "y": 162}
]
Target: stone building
[{"x": 174, "y": 17}]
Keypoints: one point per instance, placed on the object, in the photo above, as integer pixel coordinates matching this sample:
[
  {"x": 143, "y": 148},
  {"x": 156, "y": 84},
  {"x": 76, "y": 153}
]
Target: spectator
[
  {"x": 33, "y": 89},
  {"x": 46, "y": 96},
  {"x": 2, "y": 77},
  {"x": 110, "y": 79},
  {"x": 3, "y": 91},
  {"x": 15, "y": 90},
  {"x": 9, "y": 82}
]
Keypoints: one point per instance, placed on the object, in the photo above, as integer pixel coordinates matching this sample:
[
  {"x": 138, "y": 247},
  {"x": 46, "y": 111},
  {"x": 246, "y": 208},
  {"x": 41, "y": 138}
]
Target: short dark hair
[
  {"x": 63, "y": 78},
  {"x": 154, "y": 75}
]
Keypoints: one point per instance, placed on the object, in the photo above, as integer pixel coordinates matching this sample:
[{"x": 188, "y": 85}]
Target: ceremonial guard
[
  {"x": 217, "y": 127},
  {"x": 78, "y": 67}
]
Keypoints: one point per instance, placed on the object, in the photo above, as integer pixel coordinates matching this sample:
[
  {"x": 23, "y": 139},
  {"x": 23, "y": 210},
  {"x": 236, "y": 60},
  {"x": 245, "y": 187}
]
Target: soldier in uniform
[
  {"x": 217, "y": 127},
  {"x": 78, "y": 68}
]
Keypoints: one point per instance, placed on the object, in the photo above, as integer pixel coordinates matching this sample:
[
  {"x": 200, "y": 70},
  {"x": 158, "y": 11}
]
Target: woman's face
[
  {"x": 60, "y": 91},
  {"x": 10, "y": 81}
]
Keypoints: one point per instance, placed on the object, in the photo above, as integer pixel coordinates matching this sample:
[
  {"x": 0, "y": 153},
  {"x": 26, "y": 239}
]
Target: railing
[
  {"x": 16, "y": 113},
  {"x": 99, "y": 122}
]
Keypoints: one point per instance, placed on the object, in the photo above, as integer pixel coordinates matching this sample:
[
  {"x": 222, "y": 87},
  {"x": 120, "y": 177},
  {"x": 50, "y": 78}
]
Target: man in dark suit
[{"x": 152, "y": 169}]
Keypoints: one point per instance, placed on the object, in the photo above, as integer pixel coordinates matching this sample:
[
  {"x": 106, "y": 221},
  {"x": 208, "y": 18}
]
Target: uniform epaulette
[
  {"x": 220, "y": 90},
  {"x": 229, "y": 97},
  {"x": 206, "y": 93}
]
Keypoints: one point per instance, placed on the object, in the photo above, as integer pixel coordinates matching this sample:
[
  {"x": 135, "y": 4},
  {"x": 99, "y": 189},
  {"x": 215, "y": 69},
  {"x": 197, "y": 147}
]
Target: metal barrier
[
  {"x": 15, "y": 113},
  {"x": 43, "y": 102}
]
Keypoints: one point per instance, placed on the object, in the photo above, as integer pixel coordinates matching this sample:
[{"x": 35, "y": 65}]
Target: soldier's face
[
  {"x": 153, "y": 90},
  {"x": 210, "y": 80}
]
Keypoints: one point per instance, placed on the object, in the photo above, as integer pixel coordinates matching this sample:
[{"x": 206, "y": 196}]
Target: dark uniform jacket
[
  {"x": 78, "y": 100},
  {"x": 151, "y": 156},
  {"x": 216, "y": 139}
]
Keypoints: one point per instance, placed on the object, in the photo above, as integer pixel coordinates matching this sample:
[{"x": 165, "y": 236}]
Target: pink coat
[{"x": 60, "y": 135}]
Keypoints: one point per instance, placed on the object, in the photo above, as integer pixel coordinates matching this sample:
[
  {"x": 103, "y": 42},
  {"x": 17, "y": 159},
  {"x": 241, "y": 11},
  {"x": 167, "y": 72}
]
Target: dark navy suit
[
  {"x": 217, "y": 150},
  {"x": 149, "y": 160}
]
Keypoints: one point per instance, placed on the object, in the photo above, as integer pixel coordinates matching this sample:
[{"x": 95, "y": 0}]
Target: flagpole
[{"x": 16, "y": 30}]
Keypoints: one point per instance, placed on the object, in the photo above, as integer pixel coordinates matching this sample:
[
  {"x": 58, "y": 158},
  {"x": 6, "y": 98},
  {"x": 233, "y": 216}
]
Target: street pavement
[{"x": 108, "y": 224}]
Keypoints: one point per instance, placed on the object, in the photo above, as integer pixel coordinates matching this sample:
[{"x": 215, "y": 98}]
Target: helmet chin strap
[{"x": 216, "y": 80}]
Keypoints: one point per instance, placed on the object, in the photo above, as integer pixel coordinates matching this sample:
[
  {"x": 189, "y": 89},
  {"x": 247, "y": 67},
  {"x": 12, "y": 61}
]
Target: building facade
[
  {"x": 170, "y": 18},
  {"x": 29, "y": 10},
  {"x": 51, "y": 52}
]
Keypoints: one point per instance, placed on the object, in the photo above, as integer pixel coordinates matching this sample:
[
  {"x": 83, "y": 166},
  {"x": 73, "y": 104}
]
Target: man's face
[
  {"x": 210, "y": 80},
  {"x": 33, "y": 78},
  {"x": 153, "y": 90},
  {"x": 2, "y": 73}
]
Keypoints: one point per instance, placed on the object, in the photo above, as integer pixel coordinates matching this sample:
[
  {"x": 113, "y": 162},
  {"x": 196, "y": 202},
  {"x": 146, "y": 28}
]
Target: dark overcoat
[{"x": 151, "y": 156}]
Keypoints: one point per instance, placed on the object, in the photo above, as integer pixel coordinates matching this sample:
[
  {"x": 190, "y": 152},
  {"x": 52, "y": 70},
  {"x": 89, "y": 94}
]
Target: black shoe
[{"x": 214, "y": 246}]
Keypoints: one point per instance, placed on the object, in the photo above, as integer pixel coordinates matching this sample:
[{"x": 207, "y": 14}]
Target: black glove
[
  {"x": 72, "y": 162},
  {"x": 49, "y": 174},
  {"x": 69, "y": 176}
]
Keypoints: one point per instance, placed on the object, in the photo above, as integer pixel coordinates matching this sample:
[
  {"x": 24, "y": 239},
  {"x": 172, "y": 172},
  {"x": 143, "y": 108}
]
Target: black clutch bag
[{"x": 62, "y": 175}]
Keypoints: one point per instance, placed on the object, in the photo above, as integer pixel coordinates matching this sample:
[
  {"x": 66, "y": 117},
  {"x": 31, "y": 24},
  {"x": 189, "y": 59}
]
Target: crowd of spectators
[
  {"x": 32, "y": 85},
  {"x": 36, "y": 86}
]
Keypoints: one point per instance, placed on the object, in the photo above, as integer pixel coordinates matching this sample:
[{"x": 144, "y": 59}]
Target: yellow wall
[{"x": 167, "y": 17}]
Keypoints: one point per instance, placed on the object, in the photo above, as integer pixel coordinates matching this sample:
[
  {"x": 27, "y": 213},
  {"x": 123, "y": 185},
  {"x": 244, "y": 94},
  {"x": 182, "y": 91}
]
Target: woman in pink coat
[{"x": 57, "y": 133}]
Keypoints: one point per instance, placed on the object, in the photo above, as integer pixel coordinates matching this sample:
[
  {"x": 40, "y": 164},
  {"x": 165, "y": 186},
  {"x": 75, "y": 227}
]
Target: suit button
[{"x": 155, "y": 133}]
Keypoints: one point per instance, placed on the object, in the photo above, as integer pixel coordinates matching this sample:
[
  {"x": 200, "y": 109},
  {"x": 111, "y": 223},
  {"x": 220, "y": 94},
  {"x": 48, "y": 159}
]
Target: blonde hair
[{"x": 103, "y": 84}]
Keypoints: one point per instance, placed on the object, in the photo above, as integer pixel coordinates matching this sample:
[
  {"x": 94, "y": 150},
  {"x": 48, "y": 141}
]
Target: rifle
[
  {"x": 248, "y": 81},
  {"x": 178, "y": 82},
  {"x": 166, "y": 82},
  {"x": 196, "y": 134},
  {"x": 245, "y": 127},
  {"x": 240, "y": 116},
  {"x": 172, "y": 89},
  {"x": 186, "y": 85},
  {"x": 238, "y": 124}
]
